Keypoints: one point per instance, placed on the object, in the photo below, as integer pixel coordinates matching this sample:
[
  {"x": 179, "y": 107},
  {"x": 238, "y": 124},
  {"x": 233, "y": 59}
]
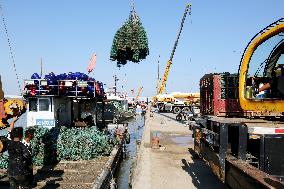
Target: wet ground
[
  {"x": 136, "y": 128},
  {"x": 182, "y": 140},
  {"x": 174, "y": 164}
]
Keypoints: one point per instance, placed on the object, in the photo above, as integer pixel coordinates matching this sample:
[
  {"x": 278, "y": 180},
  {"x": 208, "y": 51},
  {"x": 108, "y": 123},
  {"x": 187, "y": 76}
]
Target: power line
[{"x": 10, "y": 48}]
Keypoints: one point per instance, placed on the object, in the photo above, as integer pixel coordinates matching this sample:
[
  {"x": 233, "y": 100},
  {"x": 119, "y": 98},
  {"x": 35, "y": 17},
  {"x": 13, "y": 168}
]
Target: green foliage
[{"x": 130, "y": 42}]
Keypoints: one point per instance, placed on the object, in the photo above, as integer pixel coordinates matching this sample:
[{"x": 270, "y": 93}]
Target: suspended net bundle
[{"x": 130, "y": 42}]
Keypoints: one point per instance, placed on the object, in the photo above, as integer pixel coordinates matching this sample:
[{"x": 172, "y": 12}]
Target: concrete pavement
[{"x": 173, "y": 165}]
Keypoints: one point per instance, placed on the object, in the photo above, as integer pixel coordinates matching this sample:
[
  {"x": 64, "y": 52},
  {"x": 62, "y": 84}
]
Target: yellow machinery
[
  {"x": 249, "y": 151},
  {"x": 190, "y": 98},
  {"x": 165, "y": 77},
  {"x": 9, "y": 108},
  {"x": 261, "y": 72},
  {"x": 177, "y": 101}
]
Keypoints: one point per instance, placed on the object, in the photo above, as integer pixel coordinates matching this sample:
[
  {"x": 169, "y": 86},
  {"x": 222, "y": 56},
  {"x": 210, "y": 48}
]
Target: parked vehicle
[{"x": 241, "y": 131}]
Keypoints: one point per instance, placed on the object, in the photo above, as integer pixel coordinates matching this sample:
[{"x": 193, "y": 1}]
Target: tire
[
  {"x": 161, "y": 107},
  {"x": 176, "y": 110},
  {"x": 179, "y": 117},
  {"x": 186, "y": 109}
]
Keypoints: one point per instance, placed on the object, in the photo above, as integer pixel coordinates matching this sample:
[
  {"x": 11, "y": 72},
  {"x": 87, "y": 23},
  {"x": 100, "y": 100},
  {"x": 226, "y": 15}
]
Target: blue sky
[{"x": 64, "y": 33}]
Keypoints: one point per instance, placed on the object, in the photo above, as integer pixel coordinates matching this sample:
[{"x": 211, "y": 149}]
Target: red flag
[
  {"x": 132, "y": 92},
  {"x": 92, "y": 63}
]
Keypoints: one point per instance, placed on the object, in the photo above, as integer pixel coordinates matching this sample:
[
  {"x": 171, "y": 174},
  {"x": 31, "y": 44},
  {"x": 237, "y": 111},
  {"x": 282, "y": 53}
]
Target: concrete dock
[{"x": 173, "y": 165}]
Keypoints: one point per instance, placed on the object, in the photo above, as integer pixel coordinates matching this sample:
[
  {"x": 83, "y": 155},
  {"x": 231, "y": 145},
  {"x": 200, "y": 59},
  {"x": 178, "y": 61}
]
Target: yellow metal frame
[
  {"x": 264, "y": 105},
  {"x": 165, "y": 78}
]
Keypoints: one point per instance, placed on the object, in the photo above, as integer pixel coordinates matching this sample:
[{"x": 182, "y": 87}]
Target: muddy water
[
  {"x": 182, "y": 140},
  {"x": 136, "y": 128}
]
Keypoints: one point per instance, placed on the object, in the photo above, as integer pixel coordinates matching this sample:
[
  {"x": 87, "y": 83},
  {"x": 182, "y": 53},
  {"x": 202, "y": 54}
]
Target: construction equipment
[
  {"x": 138, "y": 94},
  {"x": 242, "y": 152},
  {"x": 268, "y": 47},
  {"x": 169, "y": 63},
  {"x": 176, "y": 102},
  {"x": 169, "y": 102},
  {"x": 9, "y": 108}
]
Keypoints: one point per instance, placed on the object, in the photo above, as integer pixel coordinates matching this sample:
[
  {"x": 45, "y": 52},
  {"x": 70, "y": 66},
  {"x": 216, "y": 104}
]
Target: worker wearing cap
[{"x": 20, "y": 157}]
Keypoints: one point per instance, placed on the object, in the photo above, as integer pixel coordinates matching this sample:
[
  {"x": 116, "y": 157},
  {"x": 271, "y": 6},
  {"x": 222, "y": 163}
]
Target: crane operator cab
[
  {"x": 264, "y": 78},
  {"x": 261, "y": 73}
]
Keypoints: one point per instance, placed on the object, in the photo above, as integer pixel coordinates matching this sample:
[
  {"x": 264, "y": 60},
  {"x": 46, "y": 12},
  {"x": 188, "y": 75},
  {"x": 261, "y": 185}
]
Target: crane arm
[
  {"x": 165, "y": 77},
  {"x": 138, "y": 93}
]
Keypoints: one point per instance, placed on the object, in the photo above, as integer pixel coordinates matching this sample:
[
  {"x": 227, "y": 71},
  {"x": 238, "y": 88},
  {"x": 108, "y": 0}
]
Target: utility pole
[
  {"x": 41, "y": 68},
  {"x": 158, "y": 78},
  {"x": 115, "y": 84}
]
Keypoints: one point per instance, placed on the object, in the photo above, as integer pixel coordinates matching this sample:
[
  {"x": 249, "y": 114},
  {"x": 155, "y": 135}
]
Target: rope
[
  {"x": 132, "y": 4},
  {"x": 133, "y": 15},
  {"x": 10, "y": 48}
]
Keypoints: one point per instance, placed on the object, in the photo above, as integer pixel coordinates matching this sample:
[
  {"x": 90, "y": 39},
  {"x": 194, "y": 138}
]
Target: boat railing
[{"x": 68, "y": 88}]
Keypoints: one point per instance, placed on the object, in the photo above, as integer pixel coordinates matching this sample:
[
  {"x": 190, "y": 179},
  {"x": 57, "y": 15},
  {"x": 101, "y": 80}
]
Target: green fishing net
[
  {"x": 130, "y": 42},
  {"x": 49, "y": 146}
]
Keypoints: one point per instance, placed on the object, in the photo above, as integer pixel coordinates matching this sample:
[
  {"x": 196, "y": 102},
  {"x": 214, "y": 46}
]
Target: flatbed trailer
[{"x": 243, "y": 153}]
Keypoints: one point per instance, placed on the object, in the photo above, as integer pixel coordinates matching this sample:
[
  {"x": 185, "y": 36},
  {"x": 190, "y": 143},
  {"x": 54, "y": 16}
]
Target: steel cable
[{"x": 10, "y": 49}]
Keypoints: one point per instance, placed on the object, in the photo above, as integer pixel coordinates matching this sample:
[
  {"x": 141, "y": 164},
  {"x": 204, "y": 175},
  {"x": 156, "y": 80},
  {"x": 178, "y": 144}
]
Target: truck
[
  {"x": 166, "y": 102},
  {"x": 240, "y": 134},
  {"x": 177, "y": 102}
]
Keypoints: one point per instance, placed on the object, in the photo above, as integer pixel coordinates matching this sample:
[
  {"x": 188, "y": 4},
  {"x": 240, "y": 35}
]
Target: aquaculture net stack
[
  {"x": 50, "y": 146},
  {"x": 82, "y": 143},
  {"x": 130, "y": 42}
]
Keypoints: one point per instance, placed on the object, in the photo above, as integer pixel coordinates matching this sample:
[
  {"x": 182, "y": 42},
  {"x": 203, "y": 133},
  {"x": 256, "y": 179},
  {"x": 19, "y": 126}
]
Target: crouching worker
[{"x": 20, "y": 159}]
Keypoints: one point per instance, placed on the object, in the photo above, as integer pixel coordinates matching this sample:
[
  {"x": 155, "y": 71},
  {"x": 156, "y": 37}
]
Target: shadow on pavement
[
  {"x": 173, "y": 118},
  {"x": 200, "y": 173}
]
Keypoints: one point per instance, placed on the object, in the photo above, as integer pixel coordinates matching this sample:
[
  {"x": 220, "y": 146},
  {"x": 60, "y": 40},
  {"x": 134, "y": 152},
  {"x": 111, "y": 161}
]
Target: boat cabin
[{"x": 62, "y": 102}]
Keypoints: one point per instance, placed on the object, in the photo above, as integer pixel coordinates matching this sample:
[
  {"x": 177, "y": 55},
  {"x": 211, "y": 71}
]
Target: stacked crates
[{"x": 219, "y": 94}]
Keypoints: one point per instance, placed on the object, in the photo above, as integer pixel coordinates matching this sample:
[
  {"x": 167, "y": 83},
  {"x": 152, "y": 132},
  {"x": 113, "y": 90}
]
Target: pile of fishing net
[
  {"x": 4, "y": 160},
  {"x": 82, "y": 143},
  {"x": 49, "y": 146},
  {"x": 44, "y": 147},
  {"x": 130, "y": 42}
]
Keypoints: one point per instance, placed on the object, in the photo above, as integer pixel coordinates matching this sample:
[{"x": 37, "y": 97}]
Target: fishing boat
[{"x": 65, "y": 99}]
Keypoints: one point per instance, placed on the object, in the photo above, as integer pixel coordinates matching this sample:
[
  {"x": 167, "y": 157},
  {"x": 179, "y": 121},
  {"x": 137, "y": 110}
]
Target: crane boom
[
  {"x": 165, "y": 77},
  {"x": 138, "y": 94}
]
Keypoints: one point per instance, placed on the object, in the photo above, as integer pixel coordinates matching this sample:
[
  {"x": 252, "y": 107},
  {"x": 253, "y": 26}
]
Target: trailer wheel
[
  {"x": 186, "y": 109},
  {"x": 176, "y": 110},
  {"x": 179, "y": 117},
  {"x": 161, "y": 107}
]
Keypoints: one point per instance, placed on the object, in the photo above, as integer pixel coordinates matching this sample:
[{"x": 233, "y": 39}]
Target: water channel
[{"x": 136, "y": 128}]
